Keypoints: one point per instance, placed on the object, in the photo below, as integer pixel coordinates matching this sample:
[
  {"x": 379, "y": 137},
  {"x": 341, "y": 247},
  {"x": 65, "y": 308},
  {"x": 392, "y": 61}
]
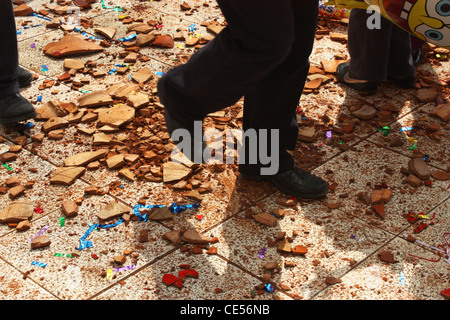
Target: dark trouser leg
[
  {"x": 272, "y": 103},
  {"x": 243, "y": 53},
  {"x": 8, "y": 51},
  {"x": 254, "y": 58},
  {"x": 379, "y": 52}
]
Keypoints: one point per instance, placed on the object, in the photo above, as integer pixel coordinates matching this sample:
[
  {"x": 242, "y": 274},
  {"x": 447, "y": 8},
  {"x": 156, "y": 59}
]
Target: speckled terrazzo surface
[{"x": 343, "y": 236}]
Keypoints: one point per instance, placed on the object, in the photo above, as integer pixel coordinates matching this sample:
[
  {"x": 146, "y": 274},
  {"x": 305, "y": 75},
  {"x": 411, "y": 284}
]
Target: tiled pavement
[{"x": 342, "y": 235}]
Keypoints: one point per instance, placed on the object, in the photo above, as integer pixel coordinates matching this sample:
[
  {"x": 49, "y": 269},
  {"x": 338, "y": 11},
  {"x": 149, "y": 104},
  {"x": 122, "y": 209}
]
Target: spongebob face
[
  {"x": 426, "y": 19},
  {"x": 431, "y": 20}
]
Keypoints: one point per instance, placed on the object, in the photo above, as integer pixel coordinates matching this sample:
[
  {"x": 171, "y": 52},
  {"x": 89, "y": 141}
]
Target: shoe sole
[
  {"x": 309, "y": 196},
  {"x": 19, "y": 118},
  {"x": 342, "y": 71}
]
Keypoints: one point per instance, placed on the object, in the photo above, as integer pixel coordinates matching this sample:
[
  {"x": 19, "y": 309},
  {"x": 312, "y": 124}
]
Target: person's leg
[
  {"x": 9, "y": 60},
  {"x": 369, "y": 49},
  {"x": 271, "y": 104},
  {"x": 401, "y": 68},
  {"x": 13, "y": 107},
  {"x": 369, "y": 52},
  {"x": 257, "y": 38}
]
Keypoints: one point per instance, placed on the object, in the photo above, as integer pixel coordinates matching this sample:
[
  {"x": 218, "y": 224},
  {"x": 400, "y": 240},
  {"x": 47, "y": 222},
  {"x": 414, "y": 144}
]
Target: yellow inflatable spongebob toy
[{"x": 428, "y": 20}]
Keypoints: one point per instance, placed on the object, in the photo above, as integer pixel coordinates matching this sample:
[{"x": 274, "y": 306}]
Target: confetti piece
[
  {"x": 329, "y": 134},
  {"x": 38, "y": 210},
  {"x": 115, "y": 8},
  {"x": 131, "y": 267},
  {"x": 65, "y": 255},
  {"x": 39, "y": 99},
  {"x": 405, "y": 129},
  {"x": 39, "y": 264},
  {"x": 159, "y": 73},
  {"x": 262, "y": 252},
  {"x": 109, "y": 274},
  {"x": 19, "y": 32},
  {"x": 41, "y": 17},
  {"x": 385, "y": 130},
  {"x": 33, "y": 45},
  {"x": 269, "y": 288},
  {"x": 62, "y": 221},
  {"x": 6, "y": 166}
]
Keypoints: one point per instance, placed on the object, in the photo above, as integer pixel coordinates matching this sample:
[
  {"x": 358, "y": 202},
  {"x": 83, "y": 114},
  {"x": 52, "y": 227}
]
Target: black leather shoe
[
  {"x": 15, "y": 108},
  {"x": 404, "y": 82},
  {"x": 24, "y": 77},
  {"x": 296, "y": 182},
  {"x": 362, "y": 86}
]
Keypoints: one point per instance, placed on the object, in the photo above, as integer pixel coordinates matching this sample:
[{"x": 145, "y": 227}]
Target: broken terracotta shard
[
  {"x": 70, "y": 45},
  {"x": 17, "y": 211}
]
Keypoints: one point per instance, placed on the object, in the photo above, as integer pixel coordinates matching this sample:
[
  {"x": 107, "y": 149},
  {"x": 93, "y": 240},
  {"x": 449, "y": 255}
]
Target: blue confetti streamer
[
  {"x": 37, "y": 16},
  {"x": 39, "y": 264},
  {"x": 88, "y": 244},
  {"x": 406, "y": 129},
  {"x": 84, "y": 244},
  {"x": 128, "y": 38}
]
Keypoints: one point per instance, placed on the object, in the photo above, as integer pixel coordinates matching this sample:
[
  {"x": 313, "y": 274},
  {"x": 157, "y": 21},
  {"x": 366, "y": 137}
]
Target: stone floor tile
[
  {"x": 409, "y": 278},
  {"x": 369, "y": 166}
]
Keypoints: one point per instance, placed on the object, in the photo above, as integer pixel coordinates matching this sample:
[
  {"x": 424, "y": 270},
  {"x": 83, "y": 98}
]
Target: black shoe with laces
[
  {"x": 15, "y": 108},
  {"x": 295, "y": 182}
]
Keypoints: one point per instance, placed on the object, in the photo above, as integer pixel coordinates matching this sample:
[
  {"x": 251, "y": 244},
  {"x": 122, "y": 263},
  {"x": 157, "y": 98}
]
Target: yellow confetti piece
[
  {"x": 180, "y": 46},
  {"x": 423, "y": 216},
  {"x": 109, "y": 274}
]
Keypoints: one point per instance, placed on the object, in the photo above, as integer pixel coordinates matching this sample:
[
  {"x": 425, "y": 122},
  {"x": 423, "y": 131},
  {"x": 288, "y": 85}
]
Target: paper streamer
[
  {"x": 124, "y": 268},
  {"x": 39, "y": 264},
  {"x": 84, "y": 244},
  {"x": 34, "y": 14},
  {"x": 66, "y": 255},
  {"x": 40, "y": 233},
  {"x": 88, "y": 244},
  {"x": 262, "y": 252},
  {"x": 115, "y": 8}
]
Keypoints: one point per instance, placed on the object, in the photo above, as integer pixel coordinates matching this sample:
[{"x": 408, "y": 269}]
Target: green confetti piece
[
  {"x": 413, "y": 147},
  {"x": 66, "y": 255},
  {"x": 62, "y": 221},
  {"x": 385, "y": 130},
  {"x": 6, "y": 166}
]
